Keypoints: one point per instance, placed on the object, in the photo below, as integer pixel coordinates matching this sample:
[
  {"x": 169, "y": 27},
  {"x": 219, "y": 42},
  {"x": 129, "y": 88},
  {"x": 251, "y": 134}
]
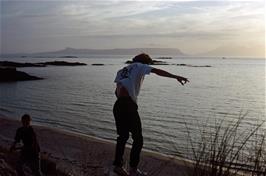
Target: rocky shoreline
[{"x": 9, "y": 72}]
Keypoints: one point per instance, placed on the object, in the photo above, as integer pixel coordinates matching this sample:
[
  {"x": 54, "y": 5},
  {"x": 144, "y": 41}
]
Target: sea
[{"x": 80, "y": 98}]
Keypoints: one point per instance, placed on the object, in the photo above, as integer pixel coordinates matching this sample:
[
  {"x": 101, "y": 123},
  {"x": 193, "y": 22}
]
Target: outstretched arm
[{"x": 163, "y": 73}]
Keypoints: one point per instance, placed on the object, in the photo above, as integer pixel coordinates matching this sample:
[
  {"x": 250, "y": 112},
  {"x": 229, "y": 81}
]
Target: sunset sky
[{"x": 195, "y": 27}]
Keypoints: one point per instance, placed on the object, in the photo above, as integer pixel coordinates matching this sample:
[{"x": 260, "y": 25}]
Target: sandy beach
[{"x": 77, "y": 154}]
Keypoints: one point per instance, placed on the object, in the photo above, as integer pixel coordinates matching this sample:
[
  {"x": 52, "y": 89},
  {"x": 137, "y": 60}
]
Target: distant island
[
  {"x": 159, "y": 53},
  {"x": 69, "y": 52},
  {"x": 119, "y": 51}
]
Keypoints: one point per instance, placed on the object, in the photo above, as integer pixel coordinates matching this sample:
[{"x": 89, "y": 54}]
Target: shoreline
[{"x": 72, "y": 151}]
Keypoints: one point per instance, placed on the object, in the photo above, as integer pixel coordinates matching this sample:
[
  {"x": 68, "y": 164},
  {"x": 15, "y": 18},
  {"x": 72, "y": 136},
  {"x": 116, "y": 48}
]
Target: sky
[{"x": 194, "y": 27}]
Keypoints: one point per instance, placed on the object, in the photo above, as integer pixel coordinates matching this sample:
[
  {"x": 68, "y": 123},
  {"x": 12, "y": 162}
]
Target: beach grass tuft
[{"x": 227, "y": 149}]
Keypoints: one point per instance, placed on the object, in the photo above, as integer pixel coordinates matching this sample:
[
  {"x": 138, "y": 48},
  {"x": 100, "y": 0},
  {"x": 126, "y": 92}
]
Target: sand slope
[{"x": 85, "y": 155}]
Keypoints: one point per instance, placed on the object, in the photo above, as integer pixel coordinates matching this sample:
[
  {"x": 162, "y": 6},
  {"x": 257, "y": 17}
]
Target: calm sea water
[{"x": 80, "y": 98}]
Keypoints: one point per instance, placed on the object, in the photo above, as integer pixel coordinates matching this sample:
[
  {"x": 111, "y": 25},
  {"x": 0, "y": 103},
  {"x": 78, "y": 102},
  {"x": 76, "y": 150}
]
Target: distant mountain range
[
  {"x": 236, "y": 51},
  {"x": 129, "y": 51},
  {"x": 222, "y": 51}
]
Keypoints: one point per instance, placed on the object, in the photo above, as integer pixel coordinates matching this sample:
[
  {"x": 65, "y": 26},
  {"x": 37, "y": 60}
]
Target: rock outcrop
[
  {"x": 19, "y": 64},
  {"x": 8, "y": 74},
  {"x": 40, "y": 64},
  {"x": 154, "y": 62},
  {"x": 63, "y": 63}
]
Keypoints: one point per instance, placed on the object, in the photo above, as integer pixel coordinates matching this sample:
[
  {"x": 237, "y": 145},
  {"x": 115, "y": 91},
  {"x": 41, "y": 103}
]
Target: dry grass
[{"x": 227, "y": 149}]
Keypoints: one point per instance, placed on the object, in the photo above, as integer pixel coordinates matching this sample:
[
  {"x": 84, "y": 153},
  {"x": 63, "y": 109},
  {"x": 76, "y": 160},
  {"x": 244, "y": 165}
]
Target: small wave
[{"x": 79, "y": 104}]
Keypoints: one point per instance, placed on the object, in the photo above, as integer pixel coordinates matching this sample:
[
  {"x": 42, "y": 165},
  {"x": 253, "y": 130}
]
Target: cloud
[{"x": 97, "y": 22}]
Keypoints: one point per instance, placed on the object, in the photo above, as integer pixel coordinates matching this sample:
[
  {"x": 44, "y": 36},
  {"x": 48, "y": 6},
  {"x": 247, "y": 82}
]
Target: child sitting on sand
[{"x": 29, "y": 154}]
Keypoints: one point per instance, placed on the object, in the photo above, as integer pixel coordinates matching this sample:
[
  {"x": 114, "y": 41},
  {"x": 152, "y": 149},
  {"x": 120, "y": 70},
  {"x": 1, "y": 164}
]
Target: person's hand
[{"x": 182, "y": 80}]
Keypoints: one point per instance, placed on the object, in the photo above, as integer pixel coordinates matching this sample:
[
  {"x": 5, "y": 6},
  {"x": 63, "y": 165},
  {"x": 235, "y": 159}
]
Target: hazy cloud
[{"x": 30, "y": 26}]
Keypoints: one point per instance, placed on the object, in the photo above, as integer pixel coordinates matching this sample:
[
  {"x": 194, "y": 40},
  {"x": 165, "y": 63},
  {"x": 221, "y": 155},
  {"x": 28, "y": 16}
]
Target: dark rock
[
  {"x": 17, "y": 64},
  {"x": 164, "y": 58},
  {"x": 157, "y": 62},
  {"x": 40, "y": 64},
  {"x": 68, "y": 57},
  {"x": 188, "y": 65},
  {"x": 154, "y": 62},
  {"x": 8, "y": 74},
  {"x": 63, "y": 63},
  {"x": 97, "y": 64}
]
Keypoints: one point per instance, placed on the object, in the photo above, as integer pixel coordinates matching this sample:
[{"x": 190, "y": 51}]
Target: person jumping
[{"x": 128, "y": 83}]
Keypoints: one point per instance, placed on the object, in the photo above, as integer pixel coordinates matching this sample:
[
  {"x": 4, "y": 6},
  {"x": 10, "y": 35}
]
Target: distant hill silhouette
[
  {"x": 129, "y": 51},
  {"x": 236, "y": 51}
]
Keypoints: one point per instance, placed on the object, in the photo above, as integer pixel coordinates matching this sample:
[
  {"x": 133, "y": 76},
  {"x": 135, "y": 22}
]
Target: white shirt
[{"x": 131, "y": 77}]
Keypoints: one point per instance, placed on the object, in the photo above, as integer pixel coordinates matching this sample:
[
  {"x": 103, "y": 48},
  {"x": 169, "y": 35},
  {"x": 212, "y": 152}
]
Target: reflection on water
[{"x": 80, "y": 98}]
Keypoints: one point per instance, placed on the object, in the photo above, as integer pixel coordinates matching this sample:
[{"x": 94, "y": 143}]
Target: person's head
[
  {"x": 142, "y": 58},
  {"x": 25, "y": 120}
]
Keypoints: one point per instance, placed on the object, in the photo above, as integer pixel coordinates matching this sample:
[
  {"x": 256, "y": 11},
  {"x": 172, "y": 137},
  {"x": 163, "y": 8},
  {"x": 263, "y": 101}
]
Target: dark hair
[
  {"x": 26, "y": 118},
  {"x": 142, "y": 58}
]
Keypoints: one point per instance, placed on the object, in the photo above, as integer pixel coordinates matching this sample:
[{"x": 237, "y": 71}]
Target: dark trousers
[
  {"x": 127, "y": 120},
  {"x": 33, "y": 162}
]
